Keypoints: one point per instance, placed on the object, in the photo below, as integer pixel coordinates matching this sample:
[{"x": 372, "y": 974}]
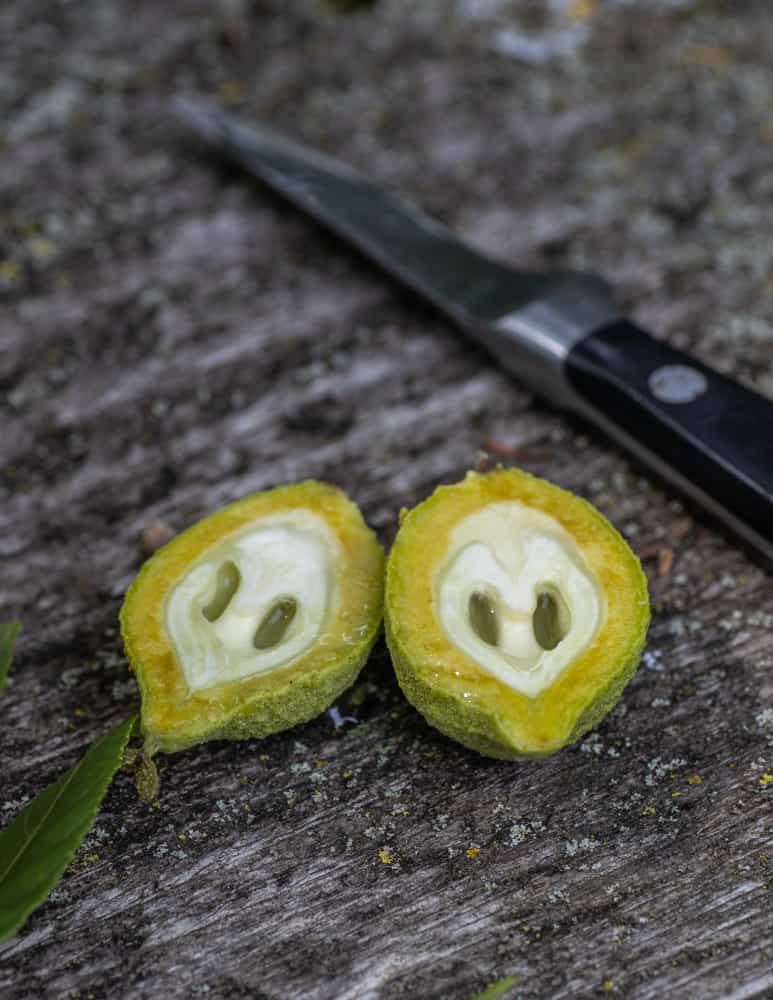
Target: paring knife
[{"x": 558, "y": 332}]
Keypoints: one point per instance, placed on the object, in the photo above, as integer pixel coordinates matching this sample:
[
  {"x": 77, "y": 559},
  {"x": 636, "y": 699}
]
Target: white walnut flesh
[
  {"x": 515, "y": 594},
  {"x": 255, "y": 601}
]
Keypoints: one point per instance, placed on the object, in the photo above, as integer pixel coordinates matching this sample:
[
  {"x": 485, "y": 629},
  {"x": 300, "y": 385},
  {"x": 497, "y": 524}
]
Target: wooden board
[{"x": 173, "y": 338}]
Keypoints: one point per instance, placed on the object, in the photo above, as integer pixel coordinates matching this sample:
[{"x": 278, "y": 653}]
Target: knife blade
[{"x": 558, "y": 332}]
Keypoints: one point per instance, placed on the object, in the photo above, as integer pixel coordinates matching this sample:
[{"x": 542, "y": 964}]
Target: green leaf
[
  {"x": 497, "y": 989},
  {"x": 8, "y": 635},
  {"x": 40, "y": 842}
]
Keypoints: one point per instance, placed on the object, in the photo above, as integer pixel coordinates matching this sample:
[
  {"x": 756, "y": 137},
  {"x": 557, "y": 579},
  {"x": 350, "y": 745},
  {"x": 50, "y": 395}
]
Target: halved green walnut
[
  {"x": 515, "y": 613},
  {"x": 255, "y": 619}
]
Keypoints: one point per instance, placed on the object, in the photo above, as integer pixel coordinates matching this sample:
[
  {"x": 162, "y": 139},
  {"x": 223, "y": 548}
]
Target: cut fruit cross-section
[
  {"x": 515, "y": 613},
  {"x": 254, "y": 619}
]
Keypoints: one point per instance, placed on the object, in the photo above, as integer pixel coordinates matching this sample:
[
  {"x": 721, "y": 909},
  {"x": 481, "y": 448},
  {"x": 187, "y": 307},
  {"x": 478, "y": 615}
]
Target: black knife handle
[{"x": 709, "y": 435}]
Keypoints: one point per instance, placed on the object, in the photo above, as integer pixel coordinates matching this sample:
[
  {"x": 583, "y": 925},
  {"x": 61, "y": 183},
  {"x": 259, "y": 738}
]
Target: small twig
[
  {"x": 495, "y": 447},
  {"x": 483, "y": 462},
  {"x": 662, "y": 553},
  {"x": 665, "y": 560},
  {"x": 680, "y": 528},
  {"x": 155, "y": 534}
]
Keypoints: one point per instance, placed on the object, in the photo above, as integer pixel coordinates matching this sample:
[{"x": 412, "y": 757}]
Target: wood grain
[{"x": 173, "y": 338}]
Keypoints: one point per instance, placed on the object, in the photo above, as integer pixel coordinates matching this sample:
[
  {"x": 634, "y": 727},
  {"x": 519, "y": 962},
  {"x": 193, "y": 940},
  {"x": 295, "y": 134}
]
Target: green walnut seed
[
  {"x": 484, "y": 619},
  {"x": 272, "y": 629},
  {"x": 551, "y": 620},
  {"x": 227, "y": 583}
]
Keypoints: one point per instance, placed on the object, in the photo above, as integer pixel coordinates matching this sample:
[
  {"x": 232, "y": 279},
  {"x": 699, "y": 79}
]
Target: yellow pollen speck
[
  {"x": 320, "y": 763},
  {"x": 9, "y": 269},
  {"x": 582, "y": 10},
  {"x": 648, "y": 811},
  {"x": 181, "y": 836},
  {"x": 766, "y": 779},
  {"x": 694, "y": 779},
  {"x": 608, "y": 985},
  {"x": 231, "y": 92},
  {"x": 675, "y": 795},
  {"x": 385, "y": 856},
  {"x": 709, "y": 56},
  {"x": 264, "y": 756},
  {"x": 346, "y": 774},
  {"x": 472, "y": 852},
  {"x": 41, "y": 247}
]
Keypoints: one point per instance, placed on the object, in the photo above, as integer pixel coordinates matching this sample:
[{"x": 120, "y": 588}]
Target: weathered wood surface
[{"x": 173, "y": 338}]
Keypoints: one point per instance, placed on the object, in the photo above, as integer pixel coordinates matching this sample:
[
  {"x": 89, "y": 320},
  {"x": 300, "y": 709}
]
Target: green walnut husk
[
  {"x": 448, "y": 686},
  {"x": 178, "y": 712}
]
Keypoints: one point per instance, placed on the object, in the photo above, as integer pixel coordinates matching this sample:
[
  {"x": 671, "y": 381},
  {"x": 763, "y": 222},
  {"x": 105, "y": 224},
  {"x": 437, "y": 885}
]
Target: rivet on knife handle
[{"x": 706, "y": 433}]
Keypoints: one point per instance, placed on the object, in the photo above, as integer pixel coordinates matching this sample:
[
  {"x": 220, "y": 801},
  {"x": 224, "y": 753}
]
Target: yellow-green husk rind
[
  {"x": 448, "y": 687},
  {"x": 174, "y": 718}
]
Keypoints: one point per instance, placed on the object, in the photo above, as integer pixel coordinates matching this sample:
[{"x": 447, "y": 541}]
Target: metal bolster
[{"x": 534, "y": 341}]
